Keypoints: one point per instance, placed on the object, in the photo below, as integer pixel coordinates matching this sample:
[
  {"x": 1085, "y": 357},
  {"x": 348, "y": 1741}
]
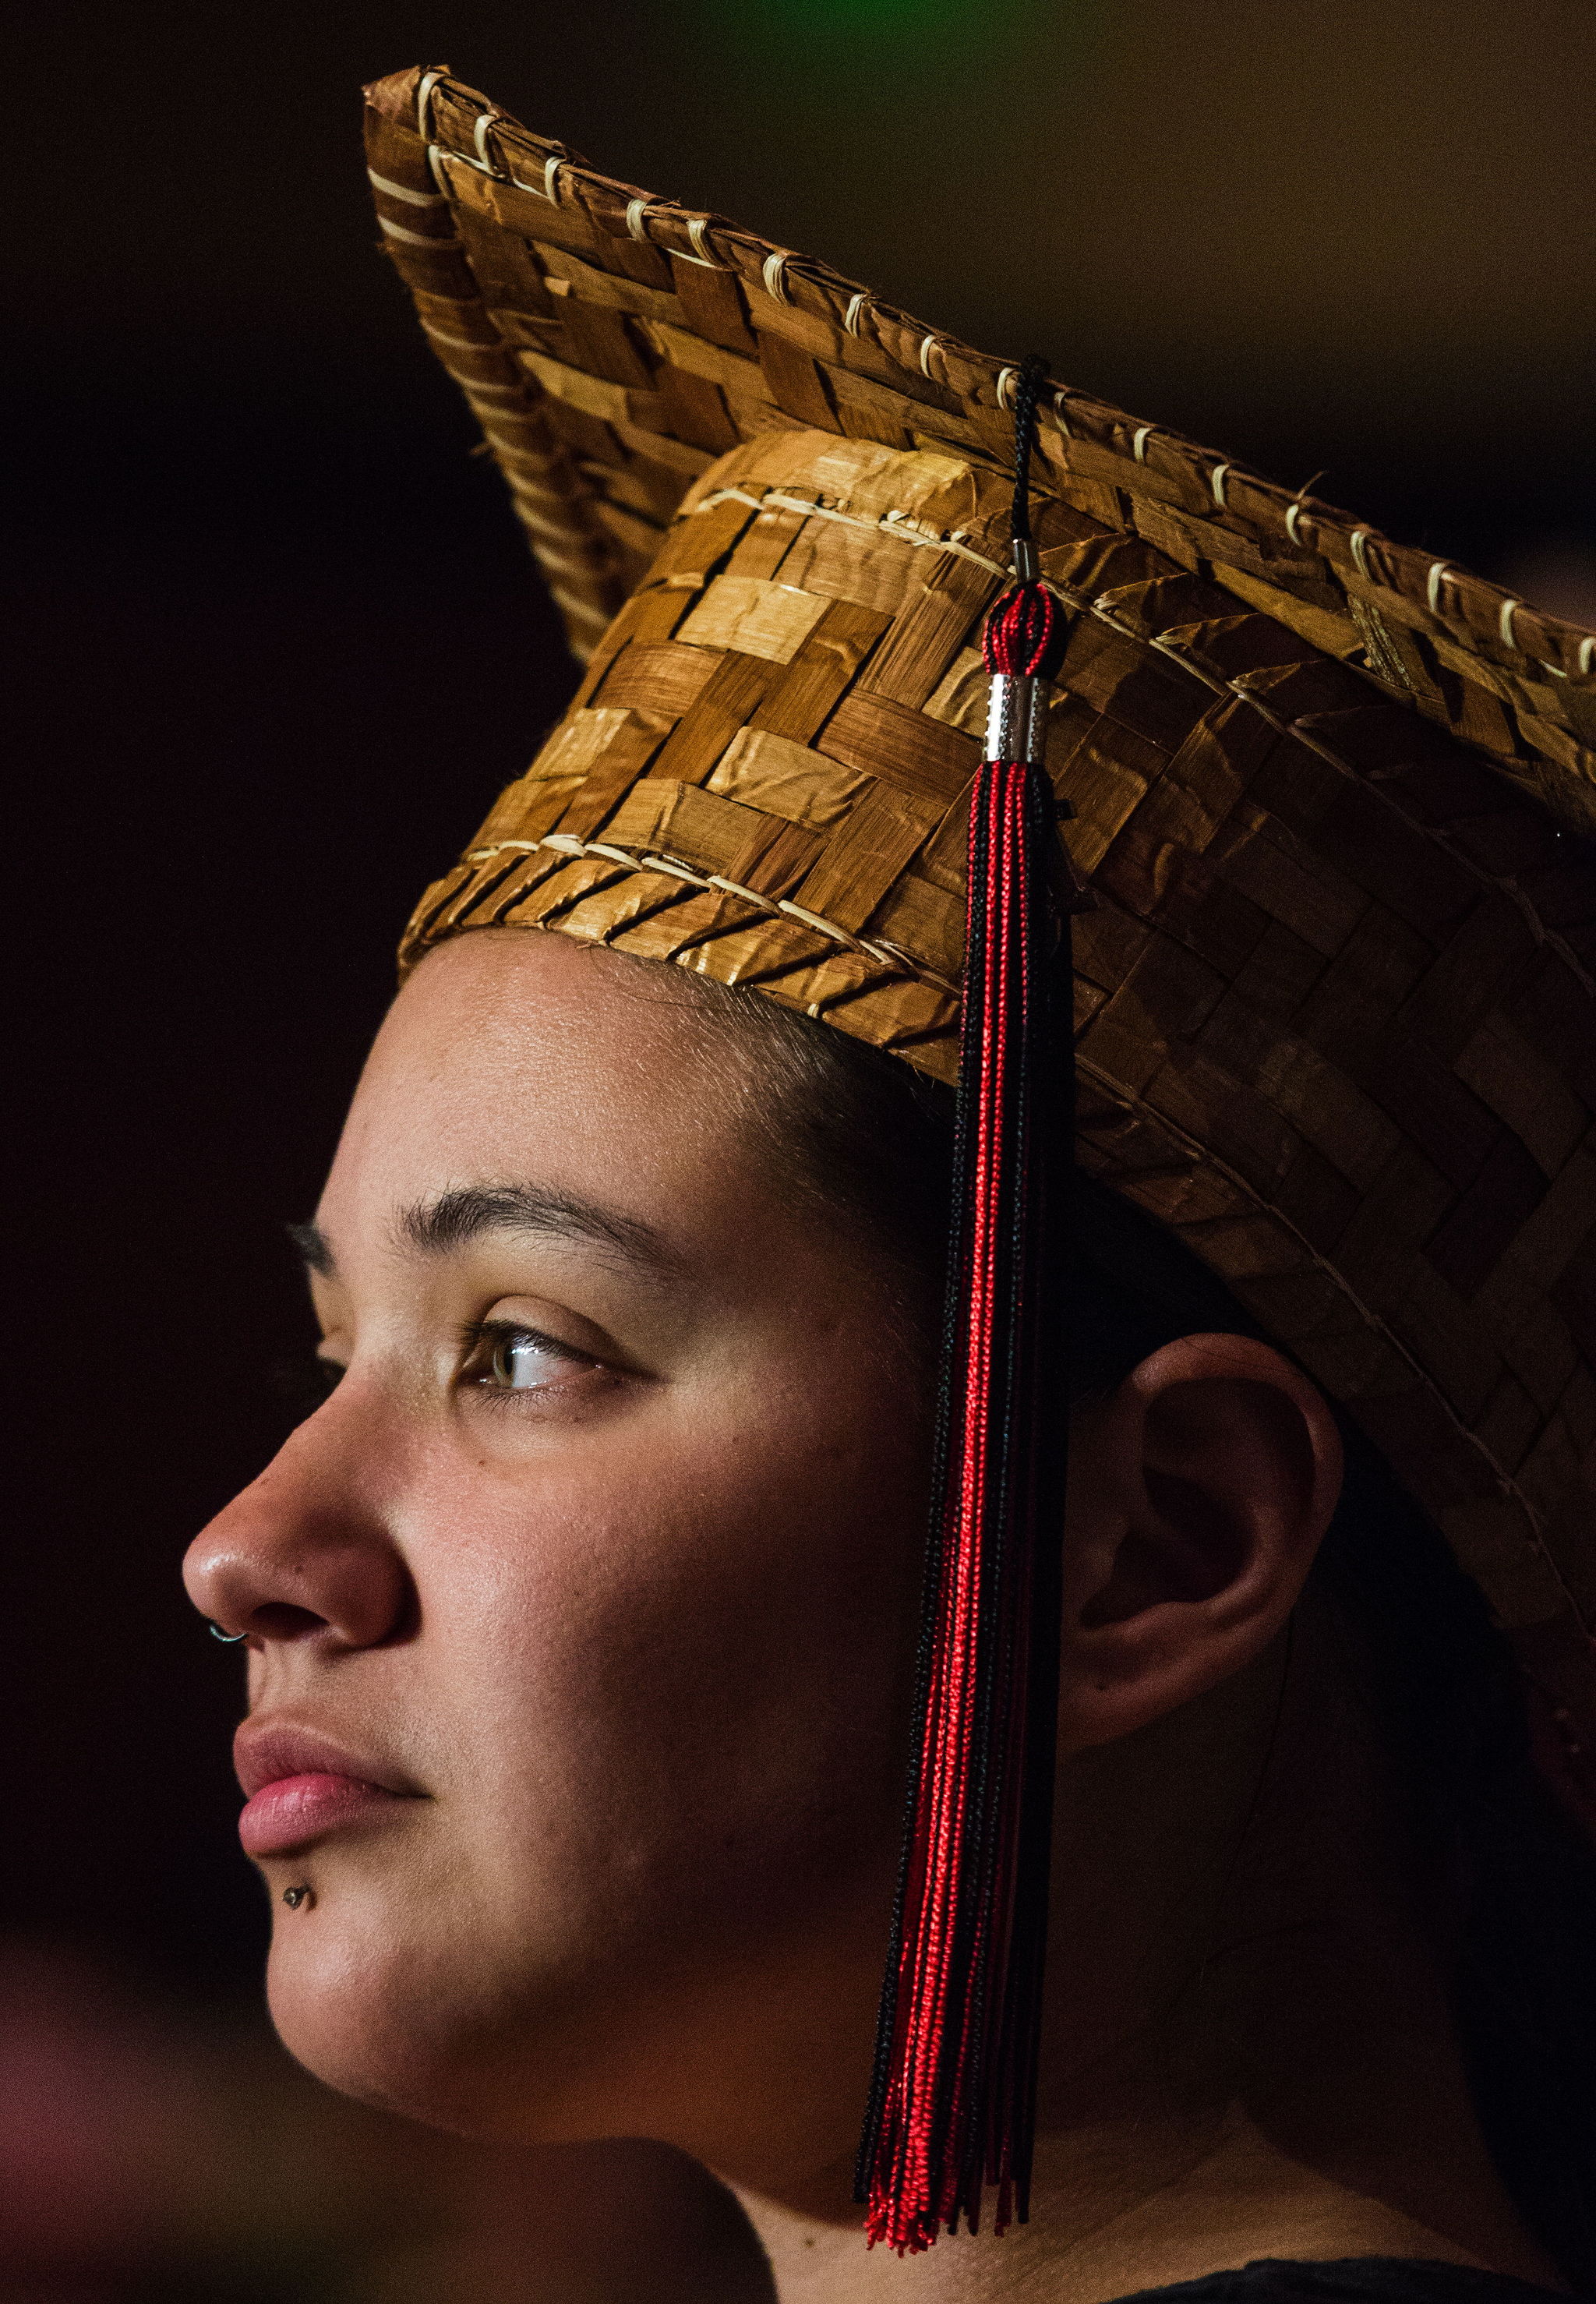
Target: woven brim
[{"x": 1337, "y": 1026}]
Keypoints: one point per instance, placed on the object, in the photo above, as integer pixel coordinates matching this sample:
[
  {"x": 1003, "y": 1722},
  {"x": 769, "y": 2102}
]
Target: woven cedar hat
[{"x": 1334, "y": 999}]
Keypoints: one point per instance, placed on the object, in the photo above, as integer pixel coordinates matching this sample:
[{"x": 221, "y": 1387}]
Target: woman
[{"x": 582, "y": 1618}]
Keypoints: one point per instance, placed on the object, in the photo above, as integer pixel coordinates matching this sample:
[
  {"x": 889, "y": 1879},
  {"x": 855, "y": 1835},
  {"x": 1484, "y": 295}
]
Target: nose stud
[
  {"x": 294, "y": 1897},
  {"x": 228, "y": 1639}
]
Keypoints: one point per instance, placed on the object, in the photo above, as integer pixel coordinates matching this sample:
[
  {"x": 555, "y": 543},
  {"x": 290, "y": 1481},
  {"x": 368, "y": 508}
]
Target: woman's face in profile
[{"x": 595, "y": 1572}]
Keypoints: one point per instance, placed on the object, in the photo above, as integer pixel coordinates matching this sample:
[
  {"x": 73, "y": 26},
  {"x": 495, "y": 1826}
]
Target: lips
[{"x": 302, "y": 1785}]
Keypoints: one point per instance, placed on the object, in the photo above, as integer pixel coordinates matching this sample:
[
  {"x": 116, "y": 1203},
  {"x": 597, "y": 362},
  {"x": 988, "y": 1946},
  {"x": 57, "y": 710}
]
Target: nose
[{"x": 305, "y": 1552}]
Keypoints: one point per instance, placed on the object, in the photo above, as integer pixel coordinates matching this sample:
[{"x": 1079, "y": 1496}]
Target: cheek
[
  {"x": 658, "y": 1686},
  {"x": 678, "y": 1674}
]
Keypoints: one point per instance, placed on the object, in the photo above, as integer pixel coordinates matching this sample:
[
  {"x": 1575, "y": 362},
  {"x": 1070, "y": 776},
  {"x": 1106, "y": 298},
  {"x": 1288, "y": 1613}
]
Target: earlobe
[{"x": 1199, "y": 1493}]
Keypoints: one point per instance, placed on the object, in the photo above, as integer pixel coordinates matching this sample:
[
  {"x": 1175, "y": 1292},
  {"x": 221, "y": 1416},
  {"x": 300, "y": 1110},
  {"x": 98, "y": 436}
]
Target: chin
[
  {"x": 384, "y": 2019},
  {"x": 351, "y": 2020},
  {"x": 410, "y": 2025}
]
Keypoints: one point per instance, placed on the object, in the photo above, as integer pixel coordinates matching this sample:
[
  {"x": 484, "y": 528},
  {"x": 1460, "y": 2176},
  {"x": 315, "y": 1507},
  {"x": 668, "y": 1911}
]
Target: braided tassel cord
[{"x": 952, "y": 2106}]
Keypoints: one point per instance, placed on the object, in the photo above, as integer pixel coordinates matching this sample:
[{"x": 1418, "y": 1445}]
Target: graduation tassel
[{"x": 952, "y": 2104}]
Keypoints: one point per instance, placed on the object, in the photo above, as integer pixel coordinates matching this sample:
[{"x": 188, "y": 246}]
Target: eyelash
[
  {"x": 492, "y": 1335},
  {"x": 307, "y": 1383}
]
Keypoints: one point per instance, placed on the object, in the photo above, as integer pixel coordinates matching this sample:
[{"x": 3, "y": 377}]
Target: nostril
[{"x": 280, "y": 1620}]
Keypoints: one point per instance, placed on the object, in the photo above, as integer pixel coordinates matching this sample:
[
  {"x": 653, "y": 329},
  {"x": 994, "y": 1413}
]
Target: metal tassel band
[{"x": 1017, "y": 717}]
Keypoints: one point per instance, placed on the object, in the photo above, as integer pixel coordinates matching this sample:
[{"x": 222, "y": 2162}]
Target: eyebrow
[
  {"x": 439, "y": 1226},
  {"x": 455, "y": 1218},
  {"x": 311, "y": 1242}
]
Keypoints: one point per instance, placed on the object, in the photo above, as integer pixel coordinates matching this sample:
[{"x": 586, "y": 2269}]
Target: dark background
[{"x": 278, "y": 644}]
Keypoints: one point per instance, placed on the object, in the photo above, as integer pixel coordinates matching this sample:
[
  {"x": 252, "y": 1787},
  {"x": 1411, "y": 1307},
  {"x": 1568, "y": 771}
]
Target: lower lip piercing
[{"x": 294, "y": 1897}]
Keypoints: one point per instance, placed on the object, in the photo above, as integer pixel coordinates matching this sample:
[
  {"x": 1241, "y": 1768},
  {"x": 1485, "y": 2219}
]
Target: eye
[
  {"x": 504, "y": 1358},
  {"x": 302, "y": 1383}
]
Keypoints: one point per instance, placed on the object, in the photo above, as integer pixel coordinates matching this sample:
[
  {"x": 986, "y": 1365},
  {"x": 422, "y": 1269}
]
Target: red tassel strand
[{"x": 952, "y": 2103}]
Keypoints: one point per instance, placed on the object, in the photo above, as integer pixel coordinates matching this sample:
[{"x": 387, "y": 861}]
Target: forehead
[{"x": 524, "y": 1055}]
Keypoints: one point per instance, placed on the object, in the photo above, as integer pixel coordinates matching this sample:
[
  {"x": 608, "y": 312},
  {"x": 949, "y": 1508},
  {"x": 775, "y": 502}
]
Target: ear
[{"x": 1198, "y": 1495}]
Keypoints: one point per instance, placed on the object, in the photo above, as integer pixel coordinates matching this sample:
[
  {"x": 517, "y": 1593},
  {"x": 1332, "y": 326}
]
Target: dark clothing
[{"x": 1349, "y": 2280}]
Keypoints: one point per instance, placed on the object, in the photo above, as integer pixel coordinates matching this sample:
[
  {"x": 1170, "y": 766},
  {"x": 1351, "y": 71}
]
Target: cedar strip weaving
[{"x": 1335, "y": 1010}]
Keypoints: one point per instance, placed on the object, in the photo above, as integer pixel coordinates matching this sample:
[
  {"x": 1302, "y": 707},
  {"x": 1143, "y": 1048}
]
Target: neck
[{"x": 1248, "y": 2052}]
